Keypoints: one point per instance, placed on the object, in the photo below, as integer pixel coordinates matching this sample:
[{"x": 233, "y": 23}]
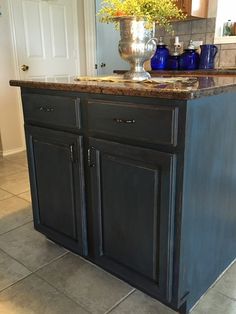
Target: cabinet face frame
[
  {"x": 71, "y": 146},
  {"x": 164, "y": 164}
]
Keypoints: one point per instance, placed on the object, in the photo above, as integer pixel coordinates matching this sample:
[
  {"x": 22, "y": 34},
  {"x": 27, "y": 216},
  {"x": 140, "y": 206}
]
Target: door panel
[
  {"x": 46, "y": 37},
  {"x": 133, "y": 206},
  {"x": 55, "y": 191},
  {"x": 57, "y": 183},
  {"x": 129, "y": 223}
]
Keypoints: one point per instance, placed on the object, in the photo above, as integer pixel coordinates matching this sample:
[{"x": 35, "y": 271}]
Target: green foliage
[{"x": 159, "y": 11}]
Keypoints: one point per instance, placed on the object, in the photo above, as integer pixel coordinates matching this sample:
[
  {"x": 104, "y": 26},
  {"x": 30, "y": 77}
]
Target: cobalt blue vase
[
  {"x": 190, "y": 59},
  {"x": 160, "y": 59}
]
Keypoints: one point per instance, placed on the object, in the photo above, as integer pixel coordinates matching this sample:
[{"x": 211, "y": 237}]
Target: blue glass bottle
[
  {"x": 160, "y": 59},
  {"x": 190, "y": 59}
]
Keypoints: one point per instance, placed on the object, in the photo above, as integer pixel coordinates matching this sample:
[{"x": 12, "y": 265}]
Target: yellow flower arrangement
[{"x": 159, "y": 11}]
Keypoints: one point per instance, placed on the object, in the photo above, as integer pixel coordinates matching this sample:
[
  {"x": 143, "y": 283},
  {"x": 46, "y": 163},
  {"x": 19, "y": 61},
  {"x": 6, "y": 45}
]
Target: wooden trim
[
  {"x": 9, "y": 152},
  {"x": 90, "y": 36}
]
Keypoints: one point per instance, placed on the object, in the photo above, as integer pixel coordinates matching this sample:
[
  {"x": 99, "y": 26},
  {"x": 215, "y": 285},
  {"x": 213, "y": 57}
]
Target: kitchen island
[{"x": 139, "y": 178}]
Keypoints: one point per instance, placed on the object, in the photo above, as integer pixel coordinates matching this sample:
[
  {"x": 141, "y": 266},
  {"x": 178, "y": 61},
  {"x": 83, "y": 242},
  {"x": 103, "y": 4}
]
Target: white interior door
[
  {"x": 46, "y": 38},
  {"x": 108, "y": 58}
]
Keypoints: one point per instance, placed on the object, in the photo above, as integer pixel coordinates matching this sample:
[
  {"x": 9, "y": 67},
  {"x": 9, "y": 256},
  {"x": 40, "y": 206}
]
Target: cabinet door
[
  {"x": 133, "y": 206},
  {"x": 193, "y": 9},
  {"x": 57, "y": 186}
]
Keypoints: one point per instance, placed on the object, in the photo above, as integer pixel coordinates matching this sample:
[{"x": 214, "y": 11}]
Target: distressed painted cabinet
[{"x": 143, "y": 187}]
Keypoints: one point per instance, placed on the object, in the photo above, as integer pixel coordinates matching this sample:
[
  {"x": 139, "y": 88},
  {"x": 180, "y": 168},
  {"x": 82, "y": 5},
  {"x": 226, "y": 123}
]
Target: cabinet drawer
[
  {"x": 53, "y": 110},
  {"x": 154, "y": 124}
]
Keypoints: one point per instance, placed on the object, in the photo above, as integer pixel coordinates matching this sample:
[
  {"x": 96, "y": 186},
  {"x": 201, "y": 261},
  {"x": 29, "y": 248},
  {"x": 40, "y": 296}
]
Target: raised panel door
[
  {"x": 56, "y": 174},
  {"x": 133, "y": 206}
]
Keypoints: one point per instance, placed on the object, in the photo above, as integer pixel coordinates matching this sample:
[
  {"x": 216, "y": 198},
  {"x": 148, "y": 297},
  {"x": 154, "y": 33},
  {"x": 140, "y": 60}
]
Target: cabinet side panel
[{"x": 209, "y": 198}]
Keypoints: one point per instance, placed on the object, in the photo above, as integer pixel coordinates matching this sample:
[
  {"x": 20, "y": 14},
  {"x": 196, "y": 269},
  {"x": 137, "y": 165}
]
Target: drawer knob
[
  {"x": 46, "y": 109},
  {"x": 117, "y": 120}
]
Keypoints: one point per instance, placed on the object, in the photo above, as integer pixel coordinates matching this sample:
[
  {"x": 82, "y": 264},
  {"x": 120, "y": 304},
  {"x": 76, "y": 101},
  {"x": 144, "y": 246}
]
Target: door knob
[{"x": 24, "y": 67}]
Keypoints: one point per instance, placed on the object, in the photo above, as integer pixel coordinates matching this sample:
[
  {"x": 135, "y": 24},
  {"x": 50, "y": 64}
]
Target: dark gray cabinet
[
  {"x": 57, "y": 184},
  {"x": 133, "y": 208},
  {"x": 133, "y": 184}
]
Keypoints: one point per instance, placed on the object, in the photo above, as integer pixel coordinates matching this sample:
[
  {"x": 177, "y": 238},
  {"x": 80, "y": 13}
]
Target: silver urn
[{"x": 136, "y": 45}]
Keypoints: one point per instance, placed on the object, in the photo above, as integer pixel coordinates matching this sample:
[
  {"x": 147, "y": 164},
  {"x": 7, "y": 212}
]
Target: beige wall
[{"x": 10, "y": 120}]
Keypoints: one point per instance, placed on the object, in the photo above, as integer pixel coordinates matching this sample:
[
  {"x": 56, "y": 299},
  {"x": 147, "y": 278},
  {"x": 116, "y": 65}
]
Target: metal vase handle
[{"x": 154, "y": 39}]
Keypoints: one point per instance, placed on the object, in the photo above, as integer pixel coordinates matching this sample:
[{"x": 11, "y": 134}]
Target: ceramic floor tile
[
  {"x": 26, "y": 196},
  {"x": 8, "y": 168},
  {"x": 140, "y": 303},
  {"x": 14, "y": 212},
  {"x": 34, "y": 296},
  {"x": 10, "y": 271},
  {"x": 215, "y": 303},
  {"x": 227, "y": 284},
  {"x": 88, "y": 285},
  {"x": 19, "y": 158},
  {"x": 4, "y": 195},
  {"x": 30, "y": 247},
  {"x": 16, "y": 183}
]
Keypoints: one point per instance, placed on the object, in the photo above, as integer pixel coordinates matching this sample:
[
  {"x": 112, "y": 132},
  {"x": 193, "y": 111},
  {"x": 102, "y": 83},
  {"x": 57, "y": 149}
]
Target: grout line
[
  {"x": 225, "y": 295},
  {"x": 52, "y": 261},
  {"x": 120, "y": 301},
  {"x": 16, "y": 227},
  {"x": 13, "y": 284},
  {"x": 62, "y": 292},
  {"x": 11, "y": 196},
  {"x": 35, "y": 274},
  {"x": 15, "y": 195},
  {"x": 18, "y": 195}
]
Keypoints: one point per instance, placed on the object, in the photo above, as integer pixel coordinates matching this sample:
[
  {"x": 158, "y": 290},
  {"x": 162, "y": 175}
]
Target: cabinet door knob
[
  {"x": 118, "y": 120},
  {"x": 24, "y": 67}
]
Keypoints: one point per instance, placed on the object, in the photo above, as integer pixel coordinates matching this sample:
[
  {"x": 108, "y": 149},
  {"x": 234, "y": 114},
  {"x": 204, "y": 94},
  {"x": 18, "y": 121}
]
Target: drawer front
[
  {"x": 154, "y": 124},
  {"x": 53, "y": 110}
]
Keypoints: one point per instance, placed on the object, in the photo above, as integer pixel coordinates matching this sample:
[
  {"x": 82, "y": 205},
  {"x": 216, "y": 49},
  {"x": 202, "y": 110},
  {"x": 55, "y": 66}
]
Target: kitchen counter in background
[{"x": 200, "y": 72}]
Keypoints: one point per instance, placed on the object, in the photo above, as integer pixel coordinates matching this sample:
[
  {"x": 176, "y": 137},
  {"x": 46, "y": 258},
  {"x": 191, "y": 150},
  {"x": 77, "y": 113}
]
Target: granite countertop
[{"x": 196, "y": 87}]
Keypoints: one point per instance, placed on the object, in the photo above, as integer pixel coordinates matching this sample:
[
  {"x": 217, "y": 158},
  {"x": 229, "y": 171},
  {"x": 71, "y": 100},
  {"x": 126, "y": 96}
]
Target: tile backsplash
[{"x": 201, "y": 30}]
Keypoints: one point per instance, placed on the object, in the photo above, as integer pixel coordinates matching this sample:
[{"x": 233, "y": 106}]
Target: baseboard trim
[{"x": 4, "y": 153}]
